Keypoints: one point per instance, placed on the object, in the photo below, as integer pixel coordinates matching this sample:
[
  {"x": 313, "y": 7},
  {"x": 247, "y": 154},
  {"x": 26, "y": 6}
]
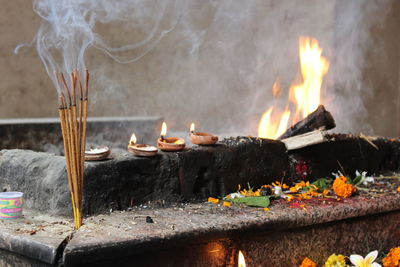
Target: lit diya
[
  {"x": 204, "y": 139},
  {"x": 97, "y": 153},
  {"x": 141, "y": 150},
  {"x": 169, "y": 143}
]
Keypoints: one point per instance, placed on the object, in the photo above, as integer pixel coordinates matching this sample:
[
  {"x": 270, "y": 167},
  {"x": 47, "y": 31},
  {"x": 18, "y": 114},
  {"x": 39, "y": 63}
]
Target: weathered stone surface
[
  {"x": 194, "y": 173},
  {"x": 9, "y": 259},
  {"x": 347, "y": 154},
  {"x": 40, "y": 176},
  {"x": 44, "y": 134},
  {"x": 216, "y": 234},
  {"x": 125, "y": 179},
  {"x": 38, "y": 237}
]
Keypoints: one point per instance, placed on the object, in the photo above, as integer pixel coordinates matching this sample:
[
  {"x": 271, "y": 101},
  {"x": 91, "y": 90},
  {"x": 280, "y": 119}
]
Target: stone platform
[
  {"x": 206, "y": 234},
  {"x": 193, "y": 174}
]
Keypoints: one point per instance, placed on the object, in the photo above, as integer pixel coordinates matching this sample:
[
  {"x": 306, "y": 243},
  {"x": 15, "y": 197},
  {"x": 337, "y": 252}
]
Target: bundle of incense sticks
[{"x": 73, "y": 126}]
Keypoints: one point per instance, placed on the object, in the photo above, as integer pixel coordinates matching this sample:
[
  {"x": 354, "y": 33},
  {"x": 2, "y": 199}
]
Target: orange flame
[
  {"x": 305, "y": 96},
  {"x": 241, "y": 261},
  {"x": 163, "y": 129},
  {"x": 192, "y": 127},
  {"x": 313, "y": 69},
  {"x": 133, "y": 139}
]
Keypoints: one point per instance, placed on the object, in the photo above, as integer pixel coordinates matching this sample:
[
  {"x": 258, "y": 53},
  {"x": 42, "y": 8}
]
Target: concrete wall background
[{"x": 216, "y": 67}]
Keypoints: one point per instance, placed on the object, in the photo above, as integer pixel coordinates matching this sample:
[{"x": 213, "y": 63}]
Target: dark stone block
[{"x": 192, "y": 174}]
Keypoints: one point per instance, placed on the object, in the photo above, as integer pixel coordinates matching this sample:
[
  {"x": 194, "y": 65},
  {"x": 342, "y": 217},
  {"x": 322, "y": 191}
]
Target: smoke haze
[{"x": 212, "y": 62}]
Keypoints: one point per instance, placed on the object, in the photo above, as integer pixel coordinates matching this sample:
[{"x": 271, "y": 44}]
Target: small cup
[
  {"x": 171, "y": 144},
  {"x": 142, "y": 150},
  {"x": 11, "y": 205},
  {"x": 97, "y": 153},
  {"x": 203, "y": 139}
]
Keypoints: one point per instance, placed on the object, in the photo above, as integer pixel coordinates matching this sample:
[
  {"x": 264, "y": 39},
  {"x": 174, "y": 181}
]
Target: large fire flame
[{"x": 306, "y": 96}]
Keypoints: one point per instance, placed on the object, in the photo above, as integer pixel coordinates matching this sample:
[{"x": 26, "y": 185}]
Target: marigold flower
[
  {"x": 398, "y": 189},
  {"x": 308, "y": 263},
  {"x": 335, "y": 261},
  {"x": 227, "y": 204},
  {"x": 342, "y": 188},
  {"x": 392, "y": 259},
  {"x": 266, "y": 209},
  {"x": 213, "y": 200}
]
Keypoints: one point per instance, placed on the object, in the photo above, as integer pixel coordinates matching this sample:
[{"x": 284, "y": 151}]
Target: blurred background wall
[{"x": 218, "y": 64}]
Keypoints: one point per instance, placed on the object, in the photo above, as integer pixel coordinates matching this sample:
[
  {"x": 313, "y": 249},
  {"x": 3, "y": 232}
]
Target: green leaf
[
  {"x": 357, "y": 180},
  {"x": 349, "y": 180},
  {"x": 262, "y": 201},
  {"x": 322, "y": 184}
]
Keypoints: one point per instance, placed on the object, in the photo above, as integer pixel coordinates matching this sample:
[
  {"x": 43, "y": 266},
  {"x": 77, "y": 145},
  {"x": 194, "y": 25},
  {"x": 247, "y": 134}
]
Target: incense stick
[{"x": 73, "y": 128}]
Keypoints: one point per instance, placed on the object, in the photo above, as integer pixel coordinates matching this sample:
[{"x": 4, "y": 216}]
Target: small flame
[
  {"x": 241, "y": 261},
  {"x": 192, "y": 127},
  {"x": 133, "y": 139},
  {"x": 164, "y": 129},
  {"x": 306, "y": 96},
  {"x": 276, "y": 89}
]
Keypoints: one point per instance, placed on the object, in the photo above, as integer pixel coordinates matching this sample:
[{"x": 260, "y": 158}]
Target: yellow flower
[
  {"x": 227, "y": 204},
  {"x": 392, "y": 259},
  {"x": 342, "y": 188},
  {"x": 398, "y": 189},
  {"x": 335, "y": 261},
  {"x": 308, "y": 263},
  {"x": 213, "y": 200},
  {"x": 266, "y": 209}
]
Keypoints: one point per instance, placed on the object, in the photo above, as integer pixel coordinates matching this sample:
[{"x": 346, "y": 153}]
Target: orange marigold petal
[
  {"x": 227, "y": 204},
  {"x": 308, "y": 263},
  {"x": 213, "y": 200}
]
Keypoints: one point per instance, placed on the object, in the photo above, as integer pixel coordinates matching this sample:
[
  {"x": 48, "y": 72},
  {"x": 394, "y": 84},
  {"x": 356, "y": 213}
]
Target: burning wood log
[
  {"x": 320, "y": 119},
  {"x": 73, "y": 128}
]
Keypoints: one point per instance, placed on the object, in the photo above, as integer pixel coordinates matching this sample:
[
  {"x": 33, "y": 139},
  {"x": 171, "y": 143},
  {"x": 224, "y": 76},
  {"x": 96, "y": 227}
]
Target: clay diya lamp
[
  {"x": 169, "y": 143},
  {"x": 97, "y": 153},
  {"x": 203, "y": 139},
  {"x": 141, "y": 150}
]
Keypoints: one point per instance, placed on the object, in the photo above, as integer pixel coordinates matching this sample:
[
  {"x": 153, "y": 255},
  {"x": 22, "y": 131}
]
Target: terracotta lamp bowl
[
  {"x": 142, "y": 150},
  {"x": 204, "y": 139},
  {"x": 97, "y": 153},
  {"x": 171, "y": 144}
]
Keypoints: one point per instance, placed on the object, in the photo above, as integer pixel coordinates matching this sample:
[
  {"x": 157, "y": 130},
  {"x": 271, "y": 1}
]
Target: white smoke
[
  {"x": 213, "y": 61},
  {"x": 69, "y": 28}
]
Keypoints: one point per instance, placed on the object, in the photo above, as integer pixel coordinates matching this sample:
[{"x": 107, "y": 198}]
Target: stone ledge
[
  {"x": 127, "y": 235},
  {"x": 44, "y": 134},
  {"x": 105, "y": 237},
  {"x": 38, "y": 237},
  {"x": 195, "y": 173}
]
